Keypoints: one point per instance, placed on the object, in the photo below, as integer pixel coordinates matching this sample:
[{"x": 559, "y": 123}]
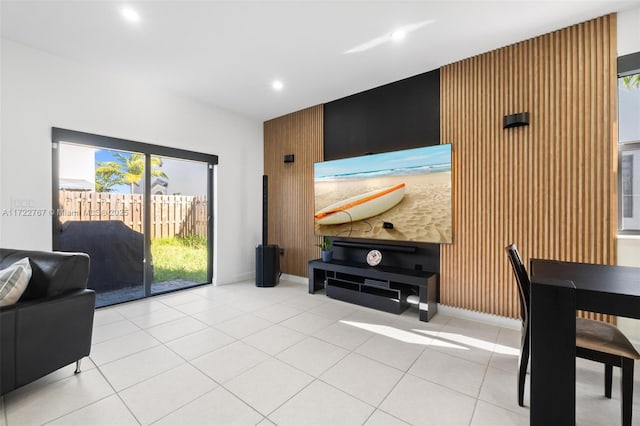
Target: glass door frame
[
  {"x": 59, "y": 135},
  {"x": 627, "y": 65}
]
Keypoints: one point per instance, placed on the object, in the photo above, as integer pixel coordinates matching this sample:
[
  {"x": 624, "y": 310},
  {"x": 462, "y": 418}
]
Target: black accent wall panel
[
  {"x": 629, "y": 64},
  {"x": 400, "y": 115}
]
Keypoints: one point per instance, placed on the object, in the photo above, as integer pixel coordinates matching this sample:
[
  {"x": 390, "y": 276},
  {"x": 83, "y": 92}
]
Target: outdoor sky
[
  {"x": 426, "y": 156},
  {"x": 103, "y": 155}
]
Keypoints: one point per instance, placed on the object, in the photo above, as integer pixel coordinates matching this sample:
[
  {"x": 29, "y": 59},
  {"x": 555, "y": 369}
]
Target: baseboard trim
[
  {"x": 247, "y": 276},
  {"x": 295, "y": 279},
  {"x": 511, "y": 323}
]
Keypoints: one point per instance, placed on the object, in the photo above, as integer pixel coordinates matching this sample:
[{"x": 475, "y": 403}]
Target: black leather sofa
[{"x": 51, "y": 324}]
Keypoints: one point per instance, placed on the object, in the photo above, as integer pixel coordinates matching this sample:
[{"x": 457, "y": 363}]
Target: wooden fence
[{"x": 171, "y": 215}]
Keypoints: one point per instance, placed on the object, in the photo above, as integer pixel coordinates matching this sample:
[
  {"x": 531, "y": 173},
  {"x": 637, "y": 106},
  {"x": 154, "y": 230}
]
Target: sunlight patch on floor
[
  {"x": 402, "y": 335},
  {"x": 470, "y": 341}
]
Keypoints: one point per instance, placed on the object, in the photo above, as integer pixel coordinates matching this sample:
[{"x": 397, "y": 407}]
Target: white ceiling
[{"x": 227, "y": 53}]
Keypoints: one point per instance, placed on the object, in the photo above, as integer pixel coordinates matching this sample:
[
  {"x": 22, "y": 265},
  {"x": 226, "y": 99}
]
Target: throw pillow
[{"x": 13, "y": 281}]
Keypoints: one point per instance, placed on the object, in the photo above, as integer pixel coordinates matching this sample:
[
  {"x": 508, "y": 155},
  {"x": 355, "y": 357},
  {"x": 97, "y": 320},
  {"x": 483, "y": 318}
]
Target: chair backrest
[{"x": 522, "y": 278}]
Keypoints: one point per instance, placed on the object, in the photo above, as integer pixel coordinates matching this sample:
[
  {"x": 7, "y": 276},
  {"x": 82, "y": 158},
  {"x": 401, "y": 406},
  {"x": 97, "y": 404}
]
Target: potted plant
[{"x": 325, "y": 248}]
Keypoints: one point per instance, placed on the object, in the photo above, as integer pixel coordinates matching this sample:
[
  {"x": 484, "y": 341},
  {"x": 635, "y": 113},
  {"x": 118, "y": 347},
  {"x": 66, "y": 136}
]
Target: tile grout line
[
  {"x": 493, "y": 404},
  {"x": 404, "y": 374},
  {"x": 388, "y": 365},
  {"x": 284, "y": 362},
  {"x": 477, "y": 398},
  {"x": 132, "y": 353},
  {"x": 377, "y": 407},
  {"x": 187, "y": 362},
  {"x": 222, "y": 385},
  {"x": 347, "y": 393},
  {"x": 115, "y": 393},
  {"x": 390, "y": 415},
  {"x": 291, "y": 397},
  {"x": 489, "y": 368},
  {"x": 440, "y": 385},
  {"x": 118, "y": 395},
  {"x": 325, "y": 370},
  {"x": 82, "y": 408},
  {"x": 160, "y": 343},
  {"x": 165, "y": 344},
  {"x": 349, "y": 352},
  {"x": 117, "y": 337},
  {"x": 189, "y": 402}
]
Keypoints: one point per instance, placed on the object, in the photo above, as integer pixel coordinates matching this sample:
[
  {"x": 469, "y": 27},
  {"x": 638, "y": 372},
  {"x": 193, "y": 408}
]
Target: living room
[{"x": 88, "y": 85}]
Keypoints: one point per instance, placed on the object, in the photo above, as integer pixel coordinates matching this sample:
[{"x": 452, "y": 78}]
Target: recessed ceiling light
[
  {"x": 130, "y": 15},
  {"x": 277, "y": 85},
  {"x": 398, "y": 35}
]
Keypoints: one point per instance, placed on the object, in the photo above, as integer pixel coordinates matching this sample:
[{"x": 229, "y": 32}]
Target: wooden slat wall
[
  {"x": 291, "y": 185},
  {"x": 550, "y": 187}
]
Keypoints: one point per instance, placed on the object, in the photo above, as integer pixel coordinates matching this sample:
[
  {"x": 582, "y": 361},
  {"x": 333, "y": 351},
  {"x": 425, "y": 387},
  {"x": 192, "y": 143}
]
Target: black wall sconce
[
  {"x": 288, "y": 158},
  {"x": 516, "y": 120}
]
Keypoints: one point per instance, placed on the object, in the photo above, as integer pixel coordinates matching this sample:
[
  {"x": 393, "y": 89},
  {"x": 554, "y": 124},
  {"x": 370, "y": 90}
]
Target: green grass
[{"x": 179, "y": 258}]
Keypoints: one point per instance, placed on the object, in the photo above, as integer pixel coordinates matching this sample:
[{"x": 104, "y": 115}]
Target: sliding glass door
[
  {"x": 142, "y": 212},
  {"x": 179, "y": 219}
]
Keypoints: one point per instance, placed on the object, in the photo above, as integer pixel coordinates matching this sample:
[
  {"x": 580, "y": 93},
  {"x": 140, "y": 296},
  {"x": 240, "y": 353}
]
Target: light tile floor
[{"x": 243, "y": 355}]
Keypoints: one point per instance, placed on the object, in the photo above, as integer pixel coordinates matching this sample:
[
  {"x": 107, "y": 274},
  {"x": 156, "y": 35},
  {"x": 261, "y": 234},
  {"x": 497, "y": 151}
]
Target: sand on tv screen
[{"x": 409, "y": 189}]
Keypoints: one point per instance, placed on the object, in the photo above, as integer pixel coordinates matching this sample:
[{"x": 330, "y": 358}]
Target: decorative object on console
[
  {"x": 374, "y": 257},
  {"x": 354, "y": 195},
  {"x": 326, "y": 249}
]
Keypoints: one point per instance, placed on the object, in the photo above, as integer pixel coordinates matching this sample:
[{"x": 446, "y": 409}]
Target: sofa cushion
[
  {"x": 13, "y": 281},
  {"x": 52, "y": 273}
]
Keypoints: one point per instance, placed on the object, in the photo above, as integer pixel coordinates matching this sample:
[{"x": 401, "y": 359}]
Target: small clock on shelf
[{"x": 374, "y": 257}]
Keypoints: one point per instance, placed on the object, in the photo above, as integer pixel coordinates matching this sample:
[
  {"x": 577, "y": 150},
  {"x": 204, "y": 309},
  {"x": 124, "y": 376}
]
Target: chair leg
[
  {"x": 522, "y": 373},
  {"x": 78, "y": 363},
  {"x": 608, "y": 378},
  {"x": 627, "y": 390}
]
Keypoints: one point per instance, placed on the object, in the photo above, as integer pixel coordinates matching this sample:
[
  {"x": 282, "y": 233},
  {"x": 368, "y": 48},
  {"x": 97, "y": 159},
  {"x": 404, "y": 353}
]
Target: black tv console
[{"x": 384, "y": 288}]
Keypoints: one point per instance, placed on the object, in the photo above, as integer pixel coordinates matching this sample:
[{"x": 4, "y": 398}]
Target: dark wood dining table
[{"x": 558, "y": 289}]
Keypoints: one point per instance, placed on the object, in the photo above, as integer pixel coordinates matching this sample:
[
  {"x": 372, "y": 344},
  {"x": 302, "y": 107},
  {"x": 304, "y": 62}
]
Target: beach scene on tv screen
[{"x": 409, "y": 189}]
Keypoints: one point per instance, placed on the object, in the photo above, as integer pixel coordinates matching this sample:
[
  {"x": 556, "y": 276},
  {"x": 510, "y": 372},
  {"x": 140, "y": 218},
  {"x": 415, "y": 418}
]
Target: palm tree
[
  {"x": 631, "y": 81},
  {"x": 108, "y": 174},
  {"x": 132, "y": 168}
]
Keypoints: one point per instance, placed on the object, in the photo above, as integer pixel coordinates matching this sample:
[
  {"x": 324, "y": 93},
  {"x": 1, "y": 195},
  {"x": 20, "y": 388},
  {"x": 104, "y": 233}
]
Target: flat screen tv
[{"x": 400, "y": 195}]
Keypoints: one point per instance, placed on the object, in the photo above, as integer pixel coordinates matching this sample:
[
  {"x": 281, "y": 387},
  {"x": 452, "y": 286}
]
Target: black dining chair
[{"x": 595, "y": 340}]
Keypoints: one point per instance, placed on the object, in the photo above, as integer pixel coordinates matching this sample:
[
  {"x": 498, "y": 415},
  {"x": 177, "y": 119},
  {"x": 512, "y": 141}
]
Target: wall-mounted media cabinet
[{"x": 384, "y": 288}]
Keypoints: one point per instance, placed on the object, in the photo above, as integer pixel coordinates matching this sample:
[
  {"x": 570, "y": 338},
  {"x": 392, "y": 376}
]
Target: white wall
[
  {"x": 77, "y": 162},
  {"x": 629, "y": 255},
  {"x": 40, "y": 91},
  {"x": 184, "y": 177},
  {"x": 629, "y": 31},
  {"x": 629, "y": 247}
]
